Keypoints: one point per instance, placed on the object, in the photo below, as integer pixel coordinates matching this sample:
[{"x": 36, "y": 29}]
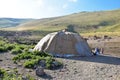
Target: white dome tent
[{"x": 64, "y": 44}]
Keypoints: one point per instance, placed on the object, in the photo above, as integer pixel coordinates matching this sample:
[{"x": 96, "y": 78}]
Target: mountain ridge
[
  {"x": 12, "y": 22},
  {"x": 82, "y": 22}
]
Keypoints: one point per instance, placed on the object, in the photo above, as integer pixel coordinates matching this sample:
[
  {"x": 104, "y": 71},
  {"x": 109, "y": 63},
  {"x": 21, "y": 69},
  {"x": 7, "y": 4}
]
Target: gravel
[{"x": 102, "y": 67}]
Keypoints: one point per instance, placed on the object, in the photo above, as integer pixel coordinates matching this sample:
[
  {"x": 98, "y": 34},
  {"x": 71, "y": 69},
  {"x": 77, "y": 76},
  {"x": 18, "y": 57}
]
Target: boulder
[
  {"x": 1, "y": 60},
  {"x": 40, "y": 71},
  {"x": 42, "y": 63}
]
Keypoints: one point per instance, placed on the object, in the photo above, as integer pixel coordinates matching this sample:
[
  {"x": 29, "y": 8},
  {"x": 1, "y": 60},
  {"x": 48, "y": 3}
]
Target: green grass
[
  {"x": 89, "y": 23},
  {"x": 113, "y": 28},
  {"x": 83, "y": 21},
  {"x": 11, "y": 22},
  {"x": 14, "y": 48},
  {"x": 101, "y": 34},
  {"x": 12, "y": 75}
]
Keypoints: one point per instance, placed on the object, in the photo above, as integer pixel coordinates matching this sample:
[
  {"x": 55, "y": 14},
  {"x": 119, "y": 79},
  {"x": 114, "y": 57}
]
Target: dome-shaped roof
[{"x": 64, "y": 43}]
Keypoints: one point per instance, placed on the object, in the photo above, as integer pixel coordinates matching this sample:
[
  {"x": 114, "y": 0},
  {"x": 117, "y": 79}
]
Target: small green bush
[
  {"x": 16, "y": 51},
  {"x": 12, "y": 75},
  {"x": 3, "y": 49},
  {"x": 2, "y": 73},
  {"x": 30, "y": 64},
  {"x": 33, "y": 58},
  {"x": 10, "y": 46},
  {"x": 41, "y": 53},
  {"x": 25, "y": 55},
  {"x": 49, "y": 61}
]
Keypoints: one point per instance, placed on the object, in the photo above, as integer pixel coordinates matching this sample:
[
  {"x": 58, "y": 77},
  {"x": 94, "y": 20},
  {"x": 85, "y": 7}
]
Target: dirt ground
[
  {"x": 100, "y": 67},
  {"x": 110, "y": 46}
]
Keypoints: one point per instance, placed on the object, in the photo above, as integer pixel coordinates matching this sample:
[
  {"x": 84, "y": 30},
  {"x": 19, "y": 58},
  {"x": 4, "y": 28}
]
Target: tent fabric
[{"x": 64, "y": 43}]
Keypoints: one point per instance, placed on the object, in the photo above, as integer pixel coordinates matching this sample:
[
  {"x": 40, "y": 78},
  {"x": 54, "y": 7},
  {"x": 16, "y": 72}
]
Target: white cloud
[
  {"x": 40, "y": 3},
  {"x": 21, "y": 8},
  {"x": 73, "y": 0},
  {"x": 30, "y": 8},
  {"x": 65, "y": 6}
]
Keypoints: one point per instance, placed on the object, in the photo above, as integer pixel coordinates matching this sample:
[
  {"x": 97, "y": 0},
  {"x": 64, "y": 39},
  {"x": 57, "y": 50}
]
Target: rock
[
  {"x": 40, "y": 71},
  {"x": 1, "y": 60},
  {"x": 55, "y": 63},
  {"x": 75, "y": 69},
  {"x": 110, "y": 76},
  {"x": 8, "y": 66},
  {"x": 67, "y": 73},
  {"x": 75, "y": 72},
  {"x": 24, "y": 78},
  {"x": 30, "y": 50},
  {"x": 30, "y": 70},
  {"x": 106, "y": 37},
  {"x": 1, "y": 75},
  {"x": 42, "y": 63},
  {"x": 20, "y": 65},
  {"x": 74, "y": 61}
]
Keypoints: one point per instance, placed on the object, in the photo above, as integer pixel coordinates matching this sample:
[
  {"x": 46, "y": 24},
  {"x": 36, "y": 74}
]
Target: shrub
[
  {"x": 21, "y": 46},
  {"x": 3, "y": 49},
  {"x": 10, "y": 46},
  {"x": 16, "y": 51},
  {"x": 34, "y": 58},
  {"x": 12, "y": 75},
  {"x": 30, "y": 64},
  {"x": 2, "y": 73},
  {"x": 41, "y": 53},
  {"x": 49, "y": 61}
]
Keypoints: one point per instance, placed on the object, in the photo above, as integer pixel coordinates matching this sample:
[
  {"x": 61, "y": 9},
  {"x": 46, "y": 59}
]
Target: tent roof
[{"x": 64, "y": 43}]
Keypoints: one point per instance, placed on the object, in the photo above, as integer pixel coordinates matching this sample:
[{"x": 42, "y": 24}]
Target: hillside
[
  {"x": 83, "y": 21},
  {"x": 11, "y": 22}
]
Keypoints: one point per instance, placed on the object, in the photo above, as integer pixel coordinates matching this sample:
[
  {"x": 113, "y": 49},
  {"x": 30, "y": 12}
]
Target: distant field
[
  {"x": 90, "y": 22},
  {"x": 101, "y": 34}
]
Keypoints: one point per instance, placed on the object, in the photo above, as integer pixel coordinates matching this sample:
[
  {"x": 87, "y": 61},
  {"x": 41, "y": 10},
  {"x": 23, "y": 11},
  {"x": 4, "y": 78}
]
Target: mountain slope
[
  {"x": 11, "y": 22},
  {"x": 83, "y": 21}
]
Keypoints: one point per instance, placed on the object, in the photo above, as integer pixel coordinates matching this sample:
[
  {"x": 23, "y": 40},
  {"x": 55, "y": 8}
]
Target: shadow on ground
[
  {"x": 46, "y": 76},
  {"x": 99, "y": 59}
]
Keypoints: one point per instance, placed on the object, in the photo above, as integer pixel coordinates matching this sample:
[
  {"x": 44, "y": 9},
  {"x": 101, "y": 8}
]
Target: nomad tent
[{"x": 64, "y": 44}]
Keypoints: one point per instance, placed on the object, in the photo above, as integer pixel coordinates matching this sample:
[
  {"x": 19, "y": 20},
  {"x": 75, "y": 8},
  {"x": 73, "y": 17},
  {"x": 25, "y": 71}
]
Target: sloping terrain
[
  {"x": 82, "y": 68},
  {"x": 83, "y": 21},
  {"x": 11, "y": 22}
]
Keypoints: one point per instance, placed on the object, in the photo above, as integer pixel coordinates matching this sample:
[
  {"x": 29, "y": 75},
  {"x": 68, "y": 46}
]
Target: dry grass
[
  {"x": 83, "y": 21},
  {"x": 101, "y": 34}
]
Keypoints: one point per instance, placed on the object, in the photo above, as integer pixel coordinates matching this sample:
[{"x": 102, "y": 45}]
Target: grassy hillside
[
  {"x": 11, "y": 22},
  {"x": 82, "y": 22}
]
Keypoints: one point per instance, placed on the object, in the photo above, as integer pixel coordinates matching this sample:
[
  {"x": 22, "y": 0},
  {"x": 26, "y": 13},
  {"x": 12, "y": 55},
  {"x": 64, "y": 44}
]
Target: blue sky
[{"x": 52, "y": 8}]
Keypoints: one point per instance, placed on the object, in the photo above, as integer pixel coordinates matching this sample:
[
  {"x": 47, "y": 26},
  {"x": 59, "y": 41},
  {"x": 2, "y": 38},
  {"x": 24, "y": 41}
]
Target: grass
[
  {"x": 12, "y": 75},
  {"x": 16, "y": 51},
  {"x": 21, "y": 52},
  {"x": 101, "y": 34},
  {"x": 83, "y": 21},
  {"x": 113, "y": 28},
  {"x": 30, "y": 59},
  {"x": 14, "y": 48},
  {"x": 5, "y": 46},
  {"x": 12, "y": 22}
]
